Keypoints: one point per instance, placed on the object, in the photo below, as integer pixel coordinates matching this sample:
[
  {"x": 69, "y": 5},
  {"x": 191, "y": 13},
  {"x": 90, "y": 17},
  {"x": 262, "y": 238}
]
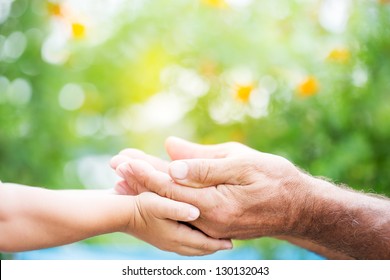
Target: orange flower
[
  {"x": 215, "y": 3},
  {"x": 308, "y": 87},
  {"x": 341, "y": 55},
  {"x": 78, "y": 30},
  {"x": 208, "y": 68},
  {"x": 243, "y": 92},
  {"x": 54, "y": 9}
]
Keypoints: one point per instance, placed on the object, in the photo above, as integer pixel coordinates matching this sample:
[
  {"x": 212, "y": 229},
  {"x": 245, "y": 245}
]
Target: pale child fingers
[
  {"x": 118, "y": 160},
  {"x": 136, "y": 170},
  {"x": 159, "y": 164},
  {"x": 164, "y": 208},
  {"x": 156, "y": 181},
  {"x": 133, "y": 185},
  {"x": 124, "y": 189},
  {"x": 190, "y": 251},
  {"x": 180, "y": 238},
  {"x": 198, "y": 240},
  {"x": 185, "y": 241}
]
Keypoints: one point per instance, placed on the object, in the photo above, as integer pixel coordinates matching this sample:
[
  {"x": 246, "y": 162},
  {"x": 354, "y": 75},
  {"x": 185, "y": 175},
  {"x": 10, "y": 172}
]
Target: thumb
[{"x": 206, "y": 172}]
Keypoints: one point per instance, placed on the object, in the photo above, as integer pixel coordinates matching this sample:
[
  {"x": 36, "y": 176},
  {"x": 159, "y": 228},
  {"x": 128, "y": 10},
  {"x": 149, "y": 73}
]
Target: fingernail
[
  {"x": 194, "y": 213},
  {"x": 179, "y": 170}
]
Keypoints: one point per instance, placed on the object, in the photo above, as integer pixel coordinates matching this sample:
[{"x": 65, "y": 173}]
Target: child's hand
[{"x": 155, "y": 220}]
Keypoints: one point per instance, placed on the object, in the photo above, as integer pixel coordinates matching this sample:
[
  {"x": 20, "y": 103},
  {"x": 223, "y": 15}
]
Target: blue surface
[{"x": 82, "y": 251}]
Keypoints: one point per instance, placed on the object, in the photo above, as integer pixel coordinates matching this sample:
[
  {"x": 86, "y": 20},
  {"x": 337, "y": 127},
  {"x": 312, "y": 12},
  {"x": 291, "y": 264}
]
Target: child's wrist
[{"x": 127, "y": 214}]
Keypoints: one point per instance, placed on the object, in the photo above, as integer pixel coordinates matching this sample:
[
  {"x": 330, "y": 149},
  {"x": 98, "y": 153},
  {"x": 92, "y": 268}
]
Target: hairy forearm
[
  {"x": 344, "y": 221},
  {"x": 315, "y": 247},
  {"x": 32, "y": 218}
]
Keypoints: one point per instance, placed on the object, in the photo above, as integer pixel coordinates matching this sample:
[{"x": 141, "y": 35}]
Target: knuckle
[
  {"x": 135, "y": 186},
  {"x": 203, "y": 173},
  {"x": 233, "y": 146},
  {"x": 226, "y": 149},
  {"x": 204, "y": 246},
  {"x": 143, "y": 178},
  {"x": 176, "y": 240},
  {"x": 176, "y": 212},
  {"x": 166, "y": 191}
]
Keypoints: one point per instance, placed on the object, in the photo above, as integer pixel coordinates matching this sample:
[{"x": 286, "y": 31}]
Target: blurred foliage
[{"x": 307, "y": 80}]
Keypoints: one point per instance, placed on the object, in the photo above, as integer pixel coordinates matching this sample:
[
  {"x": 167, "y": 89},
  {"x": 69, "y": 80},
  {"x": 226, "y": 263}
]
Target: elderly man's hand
[{"x": 241, "y": 193}]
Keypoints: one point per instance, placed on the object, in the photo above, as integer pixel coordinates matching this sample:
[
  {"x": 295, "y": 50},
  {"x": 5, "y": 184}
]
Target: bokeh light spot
[
  {"x": 5, "y": 8},
  {"x": 19, "y": 92},
  {"x": 334, "y": 15},
  {"x": 341, "y": 55},
  {"x": 13, "y": 46},
  {"x": 88, "y": 124},
  {"x": 71, "y": 97}
]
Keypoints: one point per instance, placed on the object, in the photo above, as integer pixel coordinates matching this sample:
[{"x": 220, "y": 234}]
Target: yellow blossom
[
  {"x": 308, "y": 87},
  {"x": 242, "y": 92},
  {"x": 215, "y": 3},
  {"x": 54, "y": 9},
  {"x": 341, "y": 55},
  {"x": 78, "y": 30}
]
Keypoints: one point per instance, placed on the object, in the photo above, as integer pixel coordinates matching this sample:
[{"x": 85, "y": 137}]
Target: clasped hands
[{"x": 240, "y": 193}]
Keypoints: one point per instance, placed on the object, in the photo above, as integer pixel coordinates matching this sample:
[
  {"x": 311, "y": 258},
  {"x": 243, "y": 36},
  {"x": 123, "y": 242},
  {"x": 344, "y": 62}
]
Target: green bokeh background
[{"x": 341, "y": 131}]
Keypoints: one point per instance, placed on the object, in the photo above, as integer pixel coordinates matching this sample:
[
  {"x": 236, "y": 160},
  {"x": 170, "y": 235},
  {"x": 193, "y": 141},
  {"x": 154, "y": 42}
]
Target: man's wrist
[
  {"x": 327, "y": 214},
  {"x": 311, "y": 203}
]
